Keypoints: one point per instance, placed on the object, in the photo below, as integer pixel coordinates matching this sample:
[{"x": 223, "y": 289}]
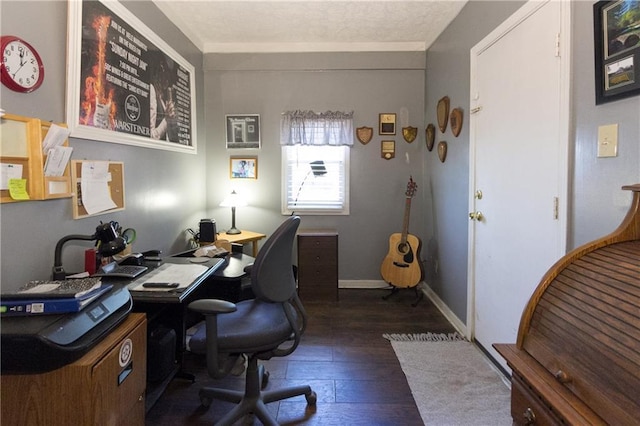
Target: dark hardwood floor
[{"x": 344, "y": 358}]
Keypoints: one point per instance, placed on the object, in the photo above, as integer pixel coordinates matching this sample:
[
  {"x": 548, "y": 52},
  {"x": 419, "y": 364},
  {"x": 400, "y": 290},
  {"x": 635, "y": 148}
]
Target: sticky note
[{"x": 18, "y": 189}]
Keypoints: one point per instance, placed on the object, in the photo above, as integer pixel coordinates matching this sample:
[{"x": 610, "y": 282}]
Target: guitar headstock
[{"x": 411, "y": 187}]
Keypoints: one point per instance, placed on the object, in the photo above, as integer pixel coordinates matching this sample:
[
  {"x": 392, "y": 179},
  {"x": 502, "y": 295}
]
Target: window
[
  {"x": 315, "y": 179},
  {"x": 315, "y": 162}
]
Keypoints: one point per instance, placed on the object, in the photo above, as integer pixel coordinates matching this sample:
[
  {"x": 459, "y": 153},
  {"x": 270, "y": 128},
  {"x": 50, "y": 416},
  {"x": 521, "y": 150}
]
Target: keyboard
[{"x": 122, "y": 271}]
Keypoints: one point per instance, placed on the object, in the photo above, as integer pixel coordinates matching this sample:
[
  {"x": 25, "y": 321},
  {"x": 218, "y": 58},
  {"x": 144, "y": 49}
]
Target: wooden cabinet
[
  {"x": 318, "y": 265},
  {"x": 104, "y": 387}
]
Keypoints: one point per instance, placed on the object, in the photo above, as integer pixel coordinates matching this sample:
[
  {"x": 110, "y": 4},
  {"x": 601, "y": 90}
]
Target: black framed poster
[
  {"x": 617, "y": 49},
  {"x": 126, "y": 85}
]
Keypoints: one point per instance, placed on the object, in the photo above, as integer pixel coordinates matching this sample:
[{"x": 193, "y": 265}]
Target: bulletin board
[{"x": 115, "y": 184}]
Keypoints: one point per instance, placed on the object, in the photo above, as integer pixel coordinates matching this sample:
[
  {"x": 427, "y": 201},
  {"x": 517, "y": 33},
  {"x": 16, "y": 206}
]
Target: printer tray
[{"x": 40, "y": 343}]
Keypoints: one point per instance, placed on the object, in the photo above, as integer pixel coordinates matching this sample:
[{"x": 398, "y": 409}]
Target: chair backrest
[{"x": 272, "y": 276}]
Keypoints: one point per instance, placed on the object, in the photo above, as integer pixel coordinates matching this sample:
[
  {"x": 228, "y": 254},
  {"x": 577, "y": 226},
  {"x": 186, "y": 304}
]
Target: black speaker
[{"x": 207, "y": 230}]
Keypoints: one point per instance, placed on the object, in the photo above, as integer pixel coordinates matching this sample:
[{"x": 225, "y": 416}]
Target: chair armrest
[{"x": 212, "y": 306}]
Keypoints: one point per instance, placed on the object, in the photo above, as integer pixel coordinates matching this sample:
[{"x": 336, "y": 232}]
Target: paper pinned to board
[
  {"x": 18, "y": 189},
  {"x": 8, "y": 172},
  {"x": 94, "y": 185}
]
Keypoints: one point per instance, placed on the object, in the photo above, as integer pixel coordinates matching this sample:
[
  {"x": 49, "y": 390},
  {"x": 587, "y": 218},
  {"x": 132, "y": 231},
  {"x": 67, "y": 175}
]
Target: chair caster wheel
[
  {"x": 311, "y": 398},
  {"x": 265, "y": 379}
]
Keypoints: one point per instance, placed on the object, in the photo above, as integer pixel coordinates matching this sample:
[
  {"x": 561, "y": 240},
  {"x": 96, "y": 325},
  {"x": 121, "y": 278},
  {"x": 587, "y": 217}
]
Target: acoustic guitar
[{"x": 402, "y": 267}]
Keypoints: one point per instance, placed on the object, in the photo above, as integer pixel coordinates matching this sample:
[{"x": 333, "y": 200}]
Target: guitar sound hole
[{"x": 403, "y": 248}]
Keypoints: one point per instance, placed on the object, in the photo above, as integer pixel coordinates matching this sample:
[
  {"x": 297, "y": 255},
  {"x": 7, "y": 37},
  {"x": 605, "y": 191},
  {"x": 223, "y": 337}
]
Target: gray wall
[
  {"x": 368, "y": 84},
  {"x": 165, "y": 191},
  {"x": 597, "y": 204}
]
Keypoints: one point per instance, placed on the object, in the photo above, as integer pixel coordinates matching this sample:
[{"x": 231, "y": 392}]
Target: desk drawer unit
[
  {"x": 318, "y": 265},
  {"x": 104, "y": 387}
]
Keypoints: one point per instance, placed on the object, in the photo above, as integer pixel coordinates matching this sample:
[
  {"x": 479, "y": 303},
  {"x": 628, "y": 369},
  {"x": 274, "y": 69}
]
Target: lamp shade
[{"x": 233, "y": 200}]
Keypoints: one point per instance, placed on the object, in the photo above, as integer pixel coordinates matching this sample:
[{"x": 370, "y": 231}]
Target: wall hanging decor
[
  {"x": 124, "y": 83},
  {"x": 243, "y": 130},
  {"x": 387, "y": 123},
  {"x": 456, "y": 121},
  {"x": 409, "y": 133},
  {"x": 364, "y": 134},
  {"x": 388, "y": 149},
  {"x": 443, "y": 113},
  {"x": 430, "y": 136},
  {"x": 617, "y": 50},
  {"x": 243, "y": 167},
  {"x": 442, "y": 151}
]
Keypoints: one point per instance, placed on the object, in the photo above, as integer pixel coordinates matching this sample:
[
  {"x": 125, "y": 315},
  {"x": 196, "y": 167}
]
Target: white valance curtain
[{"x": 311, "y": 128}]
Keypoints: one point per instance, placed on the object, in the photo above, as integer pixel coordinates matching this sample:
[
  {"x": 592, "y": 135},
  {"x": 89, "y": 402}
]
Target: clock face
[{"x": 22, "y": 68}]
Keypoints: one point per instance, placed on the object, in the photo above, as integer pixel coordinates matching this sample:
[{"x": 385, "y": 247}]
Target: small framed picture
[
  {"x": 243, "y": 130},
  {"x": 243, "y": 167},
  {"x": 387, "y": 124}
]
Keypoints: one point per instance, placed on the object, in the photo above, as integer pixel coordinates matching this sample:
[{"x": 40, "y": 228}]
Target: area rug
[{"x": 451, "y": 381}]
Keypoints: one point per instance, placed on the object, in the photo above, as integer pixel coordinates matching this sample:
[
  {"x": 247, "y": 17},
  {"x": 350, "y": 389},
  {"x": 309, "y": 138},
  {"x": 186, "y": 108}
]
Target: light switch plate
[{"x": 608, "y": 140}]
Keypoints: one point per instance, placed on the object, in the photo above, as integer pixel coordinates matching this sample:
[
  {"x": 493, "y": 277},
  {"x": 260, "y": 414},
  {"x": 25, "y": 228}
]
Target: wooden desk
[{"x": 243, "y": 237}]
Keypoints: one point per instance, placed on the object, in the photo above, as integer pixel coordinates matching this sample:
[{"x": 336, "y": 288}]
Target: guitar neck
[{"x": 405, "y": 221}]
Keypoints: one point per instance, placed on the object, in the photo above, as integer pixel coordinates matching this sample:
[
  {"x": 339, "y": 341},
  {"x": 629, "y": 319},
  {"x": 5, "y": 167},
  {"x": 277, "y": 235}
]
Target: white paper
[
  {"x": 96, "y": 196},
  {"x": 57, "y": 160},
  {"x": 9, "y": 171},
  {"x": 184, "y": 275},
  {"x": 55, "y": 137}
]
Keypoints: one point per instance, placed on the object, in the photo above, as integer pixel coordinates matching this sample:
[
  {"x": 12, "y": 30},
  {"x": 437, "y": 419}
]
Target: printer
[{"x": 40, "y": 343}]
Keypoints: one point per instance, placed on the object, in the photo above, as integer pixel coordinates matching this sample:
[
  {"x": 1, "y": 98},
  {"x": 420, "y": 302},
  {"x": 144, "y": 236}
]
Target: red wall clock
[{"x": 22, "y": 69}]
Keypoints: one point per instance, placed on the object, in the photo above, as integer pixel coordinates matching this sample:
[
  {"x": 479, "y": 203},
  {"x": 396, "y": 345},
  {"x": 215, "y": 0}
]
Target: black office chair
[{"x": 268, "y": 326}]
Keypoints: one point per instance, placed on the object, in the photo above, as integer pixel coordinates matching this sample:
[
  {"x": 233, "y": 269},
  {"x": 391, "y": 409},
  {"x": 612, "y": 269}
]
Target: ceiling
[{"x": 311, "y": 25}]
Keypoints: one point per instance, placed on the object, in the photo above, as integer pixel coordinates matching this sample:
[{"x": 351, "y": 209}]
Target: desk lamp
[
  {"x": 109, "y": 243},
  {"x": 233, "y": 200}
]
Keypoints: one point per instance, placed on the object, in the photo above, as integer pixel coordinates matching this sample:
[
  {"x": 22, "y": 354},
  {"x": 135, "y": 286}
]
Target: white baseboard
[{"x": 442, "y": 307}]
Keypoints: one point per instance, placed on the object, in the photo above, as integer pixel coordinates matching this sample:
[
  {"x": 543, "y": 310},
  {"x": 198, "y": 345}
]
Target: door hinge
[
  {"x": 556, "y": 208},
  {"x": 557, "y": 45},
  {"x": 476, "y": 109}
]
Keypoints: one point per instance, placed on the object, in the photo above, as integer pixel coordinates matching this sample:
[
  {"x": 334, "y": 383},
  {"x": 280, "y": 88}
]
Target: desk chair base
[{"x": 253, "y": 400}]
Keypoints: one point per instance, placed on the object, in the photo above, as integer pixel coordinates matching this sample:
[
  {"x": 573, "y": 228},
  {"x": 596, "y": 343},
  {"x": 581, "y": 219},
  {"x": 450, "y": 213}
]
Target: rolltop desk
[{"x": 577, "y": 356}]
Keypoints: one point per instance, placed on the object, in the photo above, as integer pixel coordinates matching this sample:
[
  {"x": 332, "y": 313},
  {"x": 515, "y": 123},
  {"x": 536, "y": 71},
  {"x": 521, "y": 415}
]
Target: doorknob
[{"x": 476, "y": 216}]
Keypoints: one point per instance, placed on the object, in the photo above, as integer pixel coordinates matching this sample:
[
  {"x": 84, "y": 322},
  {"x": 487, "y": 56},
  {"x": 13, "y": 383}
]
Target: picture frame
[
  {"x": 243, "y": 167},
  {"x": 243, "y": 131},
  {"x": 387, "y": 124},
  {"x": 125, "y": 85},
  {"x": 617, "y": 49}
]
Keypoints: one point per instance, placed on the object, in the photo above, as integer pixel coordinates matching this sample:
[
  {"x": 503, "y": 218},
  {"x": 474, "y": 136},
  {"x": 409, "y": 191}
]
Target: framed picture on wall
[
  {"x": 387, "y": 124},
  {"x": 124, "y": 84},
  {"x": 243, "y": 167},
  {"x": 243, "y": 130},
  {"x": 617, "y": 49}
]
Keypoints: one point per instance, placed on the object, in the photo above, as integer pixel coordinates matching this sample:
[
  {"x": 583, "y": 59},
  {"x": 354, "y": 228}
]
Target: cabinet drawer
[
  {"x": 527, "y": 408},
  {"x": 119, "y": 379},
  {"x": 316, "y": 259},
  {"x": 315, "y": 243}
]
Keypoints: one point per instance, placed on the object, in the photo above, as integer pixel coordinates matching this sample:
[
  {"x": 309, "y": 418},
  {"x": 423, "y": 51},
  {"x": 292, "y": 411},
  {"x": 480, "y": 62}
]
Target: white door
[{"x": 518, "y": 167}]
